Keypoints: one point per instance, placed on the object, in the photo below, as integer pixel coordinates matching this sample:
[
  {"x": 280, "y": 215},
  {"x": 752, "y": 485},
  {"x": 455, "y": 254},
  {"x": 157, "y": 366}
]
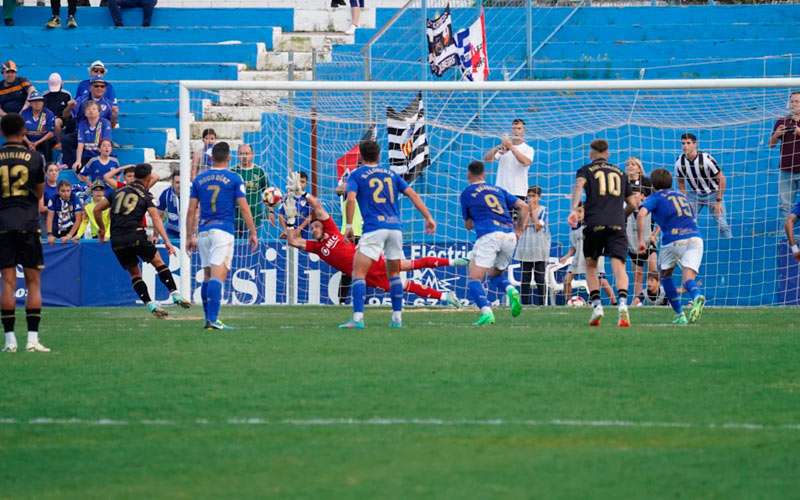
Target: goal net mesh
[{"x": 312, "y": 132}]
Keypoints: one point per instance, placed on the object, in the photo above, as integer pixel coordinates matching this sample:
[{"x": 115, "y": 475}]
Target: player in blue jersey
[
  {"x": 681, "y": 243},
  {"x": 376, "y": 190},
  {"x": 217, "y": 192},
  {"x": 791, "y": 220},
  {"x": 488, "y": 210}
]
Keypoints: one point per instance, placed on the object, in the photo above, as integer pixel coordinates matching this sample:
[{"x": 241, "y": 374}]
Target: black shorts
[
  {"x": 21, "y": 248},
  {"x": 639, "y": 259},
  {"x": 610, "y": 241},
  {"x": 128, "y": 253}
]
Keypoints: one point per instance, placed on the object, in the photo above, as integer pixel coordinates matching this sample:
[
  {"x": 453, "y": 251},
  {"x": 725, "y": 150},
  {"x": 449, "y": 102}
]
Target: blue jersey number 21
[{"x": 377, "y": 189}]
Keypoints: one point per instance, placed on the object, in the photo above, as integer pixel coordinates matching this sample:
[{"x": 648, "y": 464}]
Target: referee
[{"x": 706, "y": 180}]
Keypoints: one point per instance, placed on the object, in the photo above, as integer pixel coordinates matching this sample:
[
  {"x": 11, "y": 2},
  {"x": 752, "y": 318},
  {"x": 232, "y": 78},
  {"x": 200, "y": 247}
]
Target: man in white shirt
[{"x": 514, "y": 158}]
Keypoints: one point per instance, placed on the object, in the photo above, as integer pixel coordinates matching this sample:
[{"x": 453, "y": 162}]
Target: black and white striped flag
[{"x": 409, "y": 154}]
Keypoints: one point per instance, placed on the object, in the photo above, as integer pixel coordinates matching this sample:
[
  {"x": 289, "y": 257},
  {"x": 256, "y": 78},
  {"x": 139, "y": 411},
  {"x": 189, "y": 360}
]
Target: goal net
[{"x": 432, "y": 130}]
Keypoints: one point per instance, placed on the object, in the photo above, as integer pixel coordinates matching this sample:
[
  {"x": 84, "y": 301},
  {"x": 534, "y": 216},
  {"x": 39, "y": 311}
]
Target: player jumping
[
  {"x": 680, "y": 242},
  {"x": 607, "y": 190},
  {"x": 487, "y": 209},
  {"x": 337, "y": 252},
  {"x": 375, "y": 189},
  {"x": 129, "y": 240},
  {"x": 217, "y": 191}
]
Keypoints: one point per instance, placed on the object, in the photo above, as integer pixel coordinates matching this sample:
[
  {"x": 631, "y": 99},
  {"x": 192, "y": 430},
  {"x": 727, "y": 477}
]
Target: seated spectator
[
  {"x": 91, "y": 133},
  {"x": 111, "y": 178},
  {"x": 40, "y": 125},
  {"x": 96, "y": 95},
  {"x": 88, "y": 228},
  {"x": 201, "y": 157},
  {"x": 56, "y": 100},
  {"x": 8, "y": 12},
  {"x": 14, "y": 90},
  {"x": 98, "y": 166},
  {"x": 169, "y": 205},
  {"x": 97, "y": 69},
  {"x": 64, "y": 215},
  {"x": 55, "y": 10},
  {"x": 115, "y": 8}
]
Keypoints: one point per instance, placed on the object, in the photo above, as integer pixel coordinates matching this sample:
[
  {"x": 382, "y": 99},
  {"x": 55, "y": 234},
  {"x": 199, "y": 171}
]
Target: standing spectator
[
  {"x": 14, "y": 90},
  {"x": 201, "y": 157},
  {"x": 97, "y": 69},
  {"x": 40, "y": 126},
  {"x": 89, "y": 227},
  {"x": 255, "y": 182},
  {"x": 355, "y": 15},
  {"x": 64, "y": 215},
  {"x": 50, "y": 190},
  {"x": 8, "y": 12},
  {"x": 169, "y": 204},
  {"x": 115, "y": 8},
  {"x": 91, "y": 133},
  {"x": 533, "y": 249},
  {"x": 787, "y": 131},
  {"x": 642, "y": 186},
  {"x": 55, "y": 10},
  {"x": 706, "y": 180},
  {"x": 303, "y": 218},
  {"x": 514, "y": 159},
  {"x": 97, "y": 95},
  {"x": 96, "y": 168},
  {"x": 56, "y": 100}
]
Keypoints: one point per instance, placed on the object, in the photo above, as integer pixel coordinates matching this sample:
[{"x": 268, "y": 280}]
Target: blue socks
[
  {"x": 692, "y": 289},
  {"x": 214, "y": 299},
  {"x": 396, "y": 293},
  {"x": 358, "y": 289},
  {"x": 204, "y": 296},
  {"x": 500, "y": 282},
  {"x": 672, "y": 294},
  {"x": 476, "y": 293}
]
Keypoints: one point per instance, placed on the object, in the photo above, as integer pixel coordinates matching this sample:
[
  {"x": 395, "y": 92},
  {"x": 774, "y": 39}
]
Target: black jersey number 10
[
  {"x": 610, "y": 183},
  {"x": 14, "y": 180}
]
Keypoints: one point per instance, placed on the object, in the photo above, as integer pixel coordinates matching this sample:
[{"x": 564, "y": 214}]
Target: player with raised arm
[
  {"x": 681, "y": 243},
  {"x": 607, "y": 190},
  {"x": 21, "y": 188},
  {"x": 217, "y": 191},
  {"x": 129, "y": 240},
  {"x": 375, "y": 189},
  {"x": 339, "y": 253},
  {"x": 488, "y": 210}
]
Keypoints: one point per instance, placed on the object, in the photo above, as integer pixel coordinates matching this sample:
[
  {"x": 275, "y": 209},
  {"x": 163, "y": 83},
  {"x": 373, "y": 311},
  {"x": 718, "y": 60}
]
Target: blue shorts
[{"x": 357, "y": 3}]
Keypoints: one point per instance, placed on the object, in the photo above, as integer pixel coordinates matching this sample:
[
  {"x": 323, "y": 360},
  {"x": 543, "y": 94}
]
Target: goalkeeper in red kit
[{"x": 332, "y": 247}]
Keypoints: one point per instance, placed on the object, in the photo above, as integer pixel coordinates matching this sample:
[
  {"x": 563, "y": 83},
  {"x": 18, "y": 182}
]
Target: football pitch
[{"x": 288, "y": 406}]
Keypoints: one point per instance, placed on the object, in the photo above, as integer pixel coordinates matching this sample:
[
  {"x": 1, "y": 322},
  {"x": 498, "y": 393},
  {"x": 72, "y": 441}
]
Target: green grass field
[{"x": 287, "y": 406}]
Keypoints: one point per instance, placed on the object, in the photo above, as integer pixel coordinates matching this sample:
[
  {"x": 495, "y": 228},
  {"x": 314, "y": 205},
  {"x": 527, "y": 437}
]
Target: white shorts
[
  {"x": 494, "y": 250},
  {"x": 215, "y": 247},
  {"x": 688, "y": 253},
  {"x": 388, "y": 242}
]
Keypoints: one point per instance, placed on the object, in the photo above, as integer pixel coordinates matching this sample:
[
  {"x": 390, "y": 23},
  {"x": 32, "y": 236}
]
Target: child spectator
[
  {"x": 91, "y": 133},
  {"x": 533, "y": 249},
  {"x": 50, "y": 190},
  {"x": 96, "y": 168},
  {"x": 40, "y": 125},
  {"x": 14, "y": 90},
  {"x": 169, "y": 205},
  {"x": 654, "y": 293},
  {"x": 201, "y": 158},
  {"x": 56, "y": 100},
  {"x": 88, "y": 228},
  {"x": 64, "y": 215},
  {"x": 578, "y": 266},
  {"x": 111, "y": 179}
]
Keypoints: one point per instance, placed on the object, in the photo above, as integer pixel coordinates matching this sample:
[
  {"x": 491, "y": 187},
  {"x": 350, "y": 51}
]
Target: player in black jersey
[
  {"x": 21, "y": 188},
  {"x": 607, "y": 190},
  {"x": 129, "y": 241}
]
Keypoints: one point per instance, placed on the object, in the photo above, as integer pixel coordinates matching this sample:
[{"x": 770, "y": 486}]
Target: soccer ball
[
  {"x": 272, "y": 196},
  {"x": 576, "y": 301}
]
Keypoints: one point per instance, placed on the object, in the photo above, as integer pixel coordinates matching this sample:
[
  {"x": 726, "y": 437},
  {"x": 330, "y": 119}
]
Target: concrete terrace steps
[
  {"x": 119, "y": 73},
  {"x": 246, "y": 53},
  {"x": 36, "y": 36}
]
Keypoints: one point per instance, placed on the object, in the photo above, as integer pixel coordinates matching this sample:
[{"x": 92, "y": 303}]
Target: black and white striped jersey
[{"x": 699, "y": 173}]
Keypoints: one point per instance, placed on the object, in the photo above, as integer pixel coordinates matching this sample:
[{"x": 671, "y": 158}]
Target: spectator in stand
[
  {"x": 56, "y": 100},
  {"x": 115, "y": 8},
  {"x": 88, "y": 227},
  {"x": 91, "y": 133},
  {"x": 533, "y": 249},
  {"x": 640, "y": 184},
  {"x": 169, "y": 204},
  {"x": 255, "y": 182},
  {"x": 201, "y": 158},
  {"x": 787, "y": 132},
  {"x": 55, "y": 10},
  {"x": 40, "y": 125},
  {"x": 96, "y": 168},
  {"x": 97, "y": 95},
  {"x": 14, "y": 90},
  {"x": 111, "y": 178},
  {"x": 50, "y": 190},
  {"x": 514, "y": 157},
  {"x": 64, "y": 215},
  {"x": 8, "y": 12},
  {"x": 303, "y": 218},
  {"x": 355, "y": 15},
  {"x": 97, "y": 69}
]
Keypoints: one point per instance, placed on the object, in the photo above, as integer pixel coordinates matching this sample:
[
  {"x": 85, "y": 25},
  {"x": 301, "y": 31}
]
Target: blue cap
[
  {"x": 98, "y": 79},
  {"x": 35, "y": 96}
]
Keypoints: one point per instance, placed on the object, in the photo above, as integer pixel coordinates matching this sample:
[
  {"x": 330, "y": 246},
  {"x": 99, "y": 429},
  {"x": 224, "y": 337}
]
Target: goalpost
[{"x": 314, "y": 124}]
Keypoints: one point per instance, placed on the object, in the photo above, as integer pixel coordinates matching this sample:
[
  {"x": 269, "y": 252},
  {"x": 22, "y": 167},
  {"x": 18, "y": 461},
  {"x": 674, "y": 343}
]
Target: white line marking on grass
[{"x": 400, "y": 422}]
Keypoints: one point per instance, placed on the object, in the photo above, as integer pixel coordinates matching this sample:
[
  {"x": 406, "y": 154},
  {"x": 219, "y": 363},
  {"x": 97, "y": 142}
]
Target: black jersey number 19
[
  {"x": 14, "y": 180},
  {"x": 126, "y": 201},
  {"x": 610, "y": 183}
]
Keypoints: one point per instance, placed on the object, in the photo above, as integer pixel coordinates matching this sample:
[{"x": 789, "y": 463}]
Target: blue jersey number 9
[{"x": 494, "y": 204}]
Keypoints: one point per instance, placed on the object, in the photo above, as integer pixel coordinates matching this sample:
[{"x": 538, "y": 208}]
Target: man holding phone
[{"x": 786, "y": 131}]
